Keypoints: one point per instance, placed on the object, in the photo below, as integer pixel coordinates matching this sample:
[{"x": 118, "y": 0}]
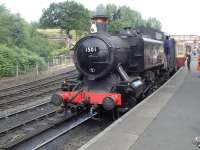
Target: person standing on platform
[
  {"x": 188, "y": 60},
  {"x": 167, "y": 49},
  {"x": 198, "y": 63}
]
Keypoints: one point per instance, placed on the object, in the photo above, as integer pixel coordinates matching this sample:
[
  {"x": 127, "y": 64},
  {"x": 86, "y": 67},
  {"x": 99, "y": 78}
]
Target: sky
[{"x": 176, "y": 16}]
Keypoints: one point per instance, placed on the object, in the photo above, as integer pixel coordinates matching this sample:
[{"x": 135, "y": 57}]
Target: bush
[
  {"x": 60, "y": 51},
  {"x": 21, "y": 45},
  {"x": 16, "y": 32},
  {"x": 11, "y": 57}
]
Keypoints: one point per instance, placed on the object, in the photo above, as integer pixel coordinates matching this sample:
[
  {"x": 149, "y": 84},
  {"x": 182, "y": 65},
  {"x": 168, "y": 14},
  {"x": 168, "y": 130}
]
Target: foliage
[
  {"x": 70, "y": 15},
  {"x": 112, "y": 11},
  {"x": 7, "y": 61},
  {"x": 100, "y": 9},
  {"x": 67, "y": 16},
  {"x": 38, "y": 44},
  {"x": 115, "y": 26},
  {"x": 20, "y": 44},
  {"x": 57, "y": 44},
  {"x": 60, "y": 51},
  {"x": 11, "y": 57},
  {"x": 15, "y": 32},
  {"x": 124, "y": 16},
  {"x": 12, "y": 28},
  {"x": 153, "y": 23}
]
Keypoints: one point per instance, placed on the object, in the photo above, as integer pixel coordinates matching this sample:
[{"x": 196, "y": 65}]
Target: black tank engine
[{"x": 116, "y": 71}]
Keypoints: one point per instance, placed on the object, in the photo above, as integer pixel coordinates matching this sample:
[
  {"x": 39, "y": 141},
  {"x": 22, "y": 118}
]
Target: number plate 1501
[{"x": 91, "y": 49}]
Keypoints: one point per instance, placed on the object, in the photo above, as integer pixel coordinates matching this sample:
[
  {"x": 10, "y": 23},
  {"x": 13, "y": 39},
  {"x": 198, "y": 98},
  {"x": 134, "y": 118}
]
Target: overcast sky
[{"x": 176, "y": 16}]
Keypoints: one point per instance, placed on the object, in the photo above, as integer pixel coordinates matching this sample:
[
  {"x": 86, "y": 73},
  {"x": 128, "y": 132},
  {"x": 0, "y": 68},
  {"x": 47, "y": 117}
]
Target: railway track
[
  {"x": 49, "y": 136},
  {"x": 21, "y": 87},
  {"x": 23, "y": 124},
  {"x": 20, "y": 126},
  {"x": 20, "y": 94}
]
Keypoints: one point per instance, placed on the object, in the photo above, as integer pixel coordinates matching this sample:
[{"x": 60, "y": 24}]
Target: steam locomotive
[{"x": 115, "y": 71}]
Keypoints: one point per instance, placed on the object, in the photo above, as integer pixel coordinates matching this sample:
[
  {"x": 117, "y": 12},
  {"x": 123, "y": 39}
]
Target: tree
[
  {"x": 11, "y": 57},
  {"x": 67, "y": 16},
  {"x": 115, "y": 26},
  {"x": 20, "y": 44},
  {"x": 153, "y": 23},
  {"x": 130, "y": 17},
  {"x": 15, "y": 32},
  {"x": 11, "y": 28},
  {"x": 122, "y": 17},
  {"x": 100, "y": 10},
  {"x": 111, "y": 11}
]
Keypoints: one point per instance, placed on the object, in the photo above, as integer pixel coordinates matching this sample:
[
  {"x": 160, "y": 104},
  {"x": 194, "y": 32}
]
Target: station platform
[{"x": 169, "y": 119}]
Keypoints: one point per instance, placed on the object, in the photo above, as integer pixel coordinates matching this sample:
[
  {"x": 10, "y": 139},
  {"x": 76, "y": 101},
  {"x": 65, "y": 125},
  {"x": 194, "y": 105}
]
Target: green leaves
[
  {"x": 60, "y": 51},
  {"x": 124, "y": 16},
  {"x": 67, "y": 15},
  {"x": 70, "y": 15},
  {"x": 11, "y": 57},
  {"x": 15, "y": 32},
  {"x": 12, "y": 28},
  {"x": 153, "y": 23},
  {"x": 20, "y": 44}
]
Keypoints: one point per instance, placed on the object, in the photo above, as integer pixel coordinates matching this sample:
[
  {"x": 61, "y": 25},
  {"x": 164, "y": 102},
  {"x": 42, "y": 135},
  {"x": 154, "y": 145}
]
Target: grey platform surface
[
  {"x": 167, "y": 120},
  {"x": 178, "y": 123}
]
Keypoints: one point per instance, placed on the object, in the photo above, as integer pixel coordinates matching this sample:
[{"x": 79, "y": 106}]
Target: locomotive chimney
[{"x": 99, "y": 24}]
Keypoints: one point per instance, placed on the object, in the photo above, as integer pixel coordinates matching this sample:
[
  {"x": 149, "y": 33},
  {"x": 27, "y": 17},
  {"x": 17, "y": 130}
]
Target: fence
[
  {"x": 52, "y": 62},
  {"x": 59, "y": 60}
]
